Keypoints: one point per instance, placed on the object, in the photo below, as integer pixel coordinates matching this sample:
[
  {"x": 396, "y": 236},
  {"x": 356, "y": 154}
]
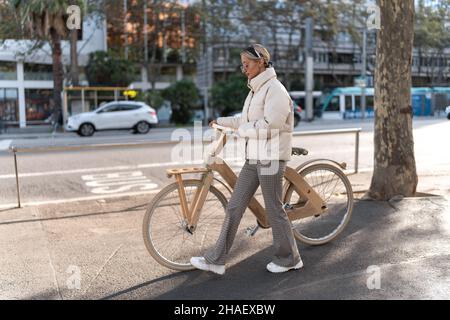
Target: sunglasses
[{"x": 253, "y": 52}]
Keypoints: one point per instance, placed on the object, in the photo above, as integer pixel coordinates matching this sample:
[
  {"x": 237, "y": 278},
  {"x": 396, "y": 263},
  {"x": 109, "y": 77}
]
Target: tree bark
[
  {"x": 58, "y": 73},
  {"x": 394, "y": 163},
  {"x": 74, "y": 74}
]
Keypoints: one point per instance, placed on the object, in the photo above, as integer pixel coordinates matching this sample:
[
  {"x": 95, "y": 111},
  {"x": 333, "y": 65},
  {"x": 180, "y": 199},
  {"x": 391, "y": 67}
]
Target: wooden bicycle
[{"x": 185, "y": 217}]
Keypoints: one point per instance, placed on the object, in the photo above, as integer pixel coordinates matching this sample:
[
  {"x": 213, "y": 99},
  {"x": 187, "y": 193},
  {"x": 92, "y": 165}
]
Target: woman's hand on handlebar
[{"x": 226, "y": 130}]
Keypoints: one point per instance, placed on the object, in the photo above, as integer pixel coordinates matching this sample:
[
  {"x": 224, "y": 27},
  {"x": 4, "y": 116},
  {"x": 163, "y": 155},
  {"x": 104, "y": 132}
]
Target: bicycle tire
[
  {"x": 309, "y": 230},
  {"x": 181, "y": 262}
]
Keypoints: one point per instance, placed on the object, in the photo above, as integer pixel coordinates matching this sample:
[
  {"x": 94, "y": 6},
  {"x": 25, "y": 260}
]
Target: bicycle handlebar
[{"x": 225, "y": 130}]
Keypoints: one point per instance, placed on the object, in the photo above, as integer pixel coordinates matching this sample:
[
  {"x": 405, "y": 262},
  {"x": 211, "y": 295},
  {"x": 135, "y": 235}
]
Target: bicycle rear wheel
[
  {"x": 333, "y": 186},
  {"x": 165, "y": 231}
]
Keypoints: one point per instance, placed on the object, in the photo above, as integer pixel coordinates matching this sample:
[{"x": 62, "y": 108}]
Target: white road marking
[
  {"x": 118, "y": 182},
  {"x": 103, "y": 169},
  {"x": 4, "y": 144},
  {"x": 60, "y": 201}
]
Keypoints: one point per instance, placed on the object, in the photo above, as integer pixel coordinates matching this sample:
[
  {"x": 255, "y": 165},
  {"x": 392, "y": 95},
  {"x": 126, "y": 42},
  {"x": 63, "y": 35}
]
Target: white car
[
  {"x": 113, "y": 116},
  {"x": 447, "y": 112}
]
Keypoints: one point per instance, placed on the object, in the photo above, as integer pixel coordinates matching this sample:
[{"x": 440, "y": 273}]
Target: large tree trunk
[
  {"x": 58, "y": 73},
  {"x": 394, "y": 163}
]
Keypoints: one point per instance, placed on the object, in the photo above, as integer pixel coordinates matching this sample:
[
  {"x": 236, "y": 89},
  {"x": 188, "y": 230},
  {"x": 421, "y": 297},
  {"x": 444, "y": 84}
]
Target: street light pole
[
  {"x": 363, "y": 74},
  {"x": 125, "y": 10},
  {"x": 309, "y": 72},
  {"x": 183, "y": 32},
  {"x": 145, "y": 34},
  {"x": 144, "y": 69}
]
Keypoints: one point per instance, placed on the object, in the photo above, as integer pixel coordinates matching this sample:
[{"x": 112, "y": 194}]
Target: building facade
[
  {"x": 167, "y": 53},
  {"x": 26, "y": 80}
]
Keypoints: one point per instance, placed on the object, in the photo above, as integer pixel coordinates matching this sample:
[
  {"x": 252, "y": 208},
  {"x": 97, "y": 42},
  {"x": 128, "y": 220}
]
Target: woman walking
[{"x": 266, "y": 124}]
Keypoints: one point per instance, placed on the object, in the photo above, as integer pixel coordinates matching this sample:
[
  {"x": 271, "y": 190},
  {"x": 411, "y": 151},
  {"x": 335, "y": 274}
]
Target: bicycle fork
[{"x": 192, "y": 214}]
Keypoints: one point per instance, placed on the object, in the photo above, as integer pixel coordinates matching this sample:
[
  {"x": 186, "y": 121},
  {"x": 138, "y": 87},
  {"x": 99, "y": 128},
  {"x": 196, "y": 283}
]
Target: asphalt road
[
  {"x": 59, "y": 176},
  {"x": 73, "y": 249}
]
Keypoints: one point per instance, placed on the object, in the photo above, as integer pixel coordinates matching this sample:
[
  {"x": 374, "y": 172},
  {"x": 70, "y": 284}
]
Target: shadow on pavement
[
  {"x": 125, "y": 210},
  {"x": 406, "y": 242}
]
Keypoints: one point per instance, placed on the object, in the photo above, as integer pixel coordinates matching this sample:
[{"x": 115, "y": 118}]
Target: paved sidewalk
[{"x": 406, "y": 243}]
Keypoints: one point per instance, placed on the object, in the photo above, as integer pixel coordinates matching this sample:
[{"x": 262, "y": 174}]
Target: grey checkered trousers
[{"x": 269, "y": 175}]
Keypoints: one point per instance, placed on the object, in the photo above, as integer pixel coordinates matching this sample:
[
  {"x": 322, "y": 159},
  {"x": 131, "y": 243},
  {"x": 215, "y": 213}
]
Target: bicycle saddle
[{"x": 299, "y": 152}]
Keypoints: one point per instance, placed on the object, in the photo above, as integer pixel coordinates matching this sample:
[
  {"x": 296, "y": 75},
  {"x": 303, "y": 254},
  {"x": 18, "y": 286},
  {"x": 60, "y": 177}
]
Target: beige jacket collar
[{"x": 262, "y": 78}]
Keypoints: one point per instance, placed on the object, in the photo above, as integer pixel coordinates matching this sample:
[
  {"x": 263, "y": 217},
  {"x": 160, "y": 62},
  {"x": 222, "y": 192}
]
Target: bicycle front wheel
[
  {"x": 165, "y": 231},
  {"x": 333, "y": 186}
]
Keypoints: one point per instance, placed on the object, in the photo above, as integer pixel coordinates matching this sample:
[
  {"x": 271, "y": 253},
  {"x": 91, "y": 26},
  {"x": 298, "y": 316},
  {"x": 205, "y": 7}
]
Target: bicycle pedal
[{"x": 250, "y": 231}]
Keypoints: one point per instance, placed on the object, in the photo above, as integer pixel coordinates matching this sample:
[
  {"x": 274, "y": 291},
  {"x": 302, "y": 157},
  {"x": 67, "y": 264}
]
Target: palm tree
[{"x": 46, "y": 20}]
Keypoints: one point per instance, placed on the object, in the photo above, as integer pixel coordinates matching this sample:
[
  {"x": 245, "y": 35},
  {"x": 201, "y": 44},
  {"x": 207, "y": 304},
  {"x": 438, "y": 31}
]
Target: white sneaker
[
  {"x": 272, "y": 267},
  {"x": 202, "y": 264}
]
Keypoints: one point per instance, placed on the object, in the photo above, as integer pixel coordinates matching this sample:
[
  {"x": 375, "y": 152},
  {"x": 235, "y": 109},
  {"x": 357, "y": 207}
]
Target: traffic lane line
[
  {"x": 78, "y": 199},
  {"x": 105, "y": 169},
  {"x": 4, "y": 144}
]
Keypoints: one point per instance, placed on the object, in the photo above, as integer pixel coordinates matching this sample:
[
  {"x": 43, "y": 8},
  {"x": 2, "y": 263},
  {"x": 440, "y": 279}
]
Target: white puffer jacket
[{"x": 267, "y": 119}]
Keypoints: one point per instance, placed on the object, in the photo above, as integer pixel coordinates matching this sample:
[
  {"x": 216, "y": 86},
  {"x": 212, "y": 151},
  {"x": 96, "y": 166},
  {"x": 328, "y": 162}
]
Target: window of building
[
  {"x": 38, "y": 72},
  {"x": 38, "y": 106},
  {"x": 347, "y": 58},
  {"x": 219, "y": 54},
  {"x": 343, "y": 37},
  {"x": 168, "y": 74},
  {"x": 189, "y": 72},
  {"x": 320, "y": 57},
  {"x": 8, "y": 71},
  {"x": 9, "y": 105}
]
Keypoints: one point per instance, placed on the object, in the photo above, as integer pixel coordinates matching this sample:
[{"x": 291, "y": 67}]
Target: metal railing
[
  {"x": 16, "y": 150},
  {"x": 356, "y": 131}
]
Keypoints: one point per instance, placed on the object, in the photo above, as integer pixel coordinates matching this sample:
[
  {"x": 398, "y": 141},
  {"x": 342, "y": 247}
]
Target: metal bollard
[
  {"x": 14, "y": 150},
  {"x": 357, "y": 152}
]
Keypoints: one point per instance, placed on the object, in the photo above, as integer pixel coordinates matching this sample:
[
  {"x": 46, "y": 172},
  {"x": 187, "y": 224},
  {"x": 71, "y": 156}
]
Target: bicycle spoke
[
  {"x": 169, "y": 242},
  {"x": 327, "y": 181}
]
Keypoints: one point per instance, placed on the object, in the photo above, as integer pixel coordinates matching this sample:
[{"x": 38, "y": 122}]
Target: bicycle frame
[{"x": 312, "y": 203}]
